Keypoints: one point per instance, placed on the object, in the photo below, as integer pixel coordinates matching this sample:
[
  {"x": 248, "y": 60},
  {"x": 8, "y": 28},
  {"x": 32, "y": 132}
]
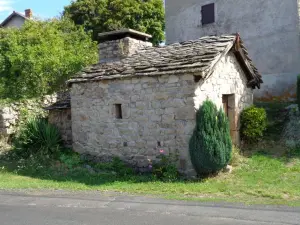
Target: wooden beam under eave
[{"x": 238, "y": 52}]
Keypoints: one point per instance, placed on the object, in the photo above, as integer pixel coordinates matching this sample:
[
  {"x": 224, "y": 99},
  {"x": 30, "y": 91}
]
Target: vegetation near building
[
  {"x": 210, "y": 145},
  {"x": 103, "y": 15},
  {"x": 39, "y": 57},
  {"x": 253, "y": 123}
]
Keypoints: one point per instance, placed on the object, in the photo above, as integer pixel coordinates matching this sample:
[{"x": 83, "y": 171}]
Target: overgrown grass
[
  {"x": 267, "y": 174},
  {"x": 260, "y": 179},
  {"x": 272, "y": 141},
  {"x": 277, "y": 115}
]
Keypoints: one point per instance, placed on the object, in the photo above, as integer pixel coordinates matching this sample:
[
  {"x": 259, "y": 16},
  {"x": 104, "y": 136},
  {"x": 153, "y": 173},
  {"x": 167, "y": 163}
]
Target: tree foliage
[
  {"x": 210, "y": 145},
  {"x": 108, "y": 15},
  {"x": 40, "y": 56}
]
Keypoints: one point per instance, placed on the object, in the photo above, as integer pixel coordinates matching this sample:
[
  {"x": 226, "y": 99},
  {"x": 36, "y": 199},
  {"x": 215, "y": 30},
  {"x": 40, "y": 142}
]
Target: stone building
[
  {"x": 60, "y": 116},
  {"x": 270, "y": 30},
  {"x": 144, "y": 101}
]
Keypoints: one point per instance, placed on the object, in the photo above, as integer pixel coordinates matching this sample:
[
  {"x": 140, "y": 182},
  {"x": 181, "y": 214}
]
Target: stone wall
[
  {"x": 63, "y": 121},
  {"x": 227, "y": 79},
  {"x": 157, "y": 113},
  {"x": 8, "y": 120},
  {"x": 118, "y": 49},
  {"x": 11, "y": 113}
]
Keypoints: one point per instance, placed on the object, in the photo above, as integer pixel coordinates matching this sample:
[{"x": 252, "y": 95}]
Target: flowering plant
[{"x": 166, "y": 168}]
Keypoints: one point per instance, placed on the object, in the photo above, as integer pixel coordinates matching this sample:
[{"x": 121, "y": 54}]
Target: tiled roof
[
  {"x": 59, "y": 105},
  {"x": 197, "y": 56}
]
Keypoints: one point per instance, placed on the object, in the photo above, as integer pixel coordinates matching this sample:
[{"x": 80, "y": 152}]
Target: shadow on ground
[{"x": 54, "y": 170}]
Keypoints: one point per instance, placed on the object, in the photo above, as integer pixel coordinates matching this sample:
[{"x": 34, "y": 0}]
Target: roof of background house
[
  {"x": 197, "y": 56},
  {"x": 11, "y": 16}
]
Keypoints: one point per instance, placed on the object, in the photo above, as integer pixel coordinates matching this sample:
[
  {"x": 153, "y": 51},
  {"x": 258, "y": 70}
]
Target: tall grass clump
[{"x": 37, "y": 137}]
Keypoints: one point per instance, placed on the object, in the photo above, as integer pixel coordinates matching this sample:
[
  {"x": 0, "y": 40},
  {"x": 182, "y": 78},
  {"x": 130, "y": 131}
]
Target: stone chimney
[
  {"x": 116, "y": 45},
  {"x": 28, "y": 13}
]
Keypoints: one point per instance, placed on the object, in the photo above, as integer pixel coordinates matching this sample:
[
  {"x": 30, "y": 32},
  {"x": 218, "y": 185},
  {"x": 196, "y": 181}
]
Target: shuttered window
[{"x": 208, "y": 13}]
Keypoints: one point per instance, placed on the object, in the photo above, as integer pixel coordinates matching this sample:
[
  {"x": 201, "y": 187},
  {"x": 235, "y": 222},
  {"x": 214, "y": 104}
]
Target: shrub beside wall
[
  {"x": 210, "y": 145},
  {"x": 253, "y": 123},
  {"x": 37, "y": 137}
]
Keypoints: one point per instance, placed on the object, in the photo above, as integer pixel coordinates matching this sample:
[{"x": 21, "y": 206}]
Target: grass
[
  {"x": 261, "y": 179},
  {"x": 266, "y": 174},
  {"x": 277, "y": 116}
]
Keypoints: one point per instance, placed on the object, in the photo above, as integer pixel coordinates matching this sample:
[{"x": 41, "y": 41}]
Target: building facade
[
  {"x": 270, "y": 30},
  {"x": 146, "y": 102},
  {"x": 16, "y": 19}
]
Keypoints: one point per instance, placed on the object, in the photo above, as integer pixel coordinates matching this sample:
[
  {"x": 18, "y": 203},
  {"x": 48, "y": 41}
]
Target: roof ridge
[
  {"x": 193, "y": 56},
  {"x": 14, "y": 13}
]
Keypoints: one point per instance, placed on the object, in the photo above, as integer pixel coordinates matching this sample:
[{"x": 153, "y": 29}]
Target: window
[
  {"x": 118, "y": 111},
  {"x": 208, "y": 13}
]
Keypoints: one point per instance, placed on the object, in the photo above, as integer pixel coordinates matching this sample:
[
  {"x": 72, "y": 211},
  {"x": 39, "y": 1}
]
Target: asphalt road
[{"x": 61, "y": 208}]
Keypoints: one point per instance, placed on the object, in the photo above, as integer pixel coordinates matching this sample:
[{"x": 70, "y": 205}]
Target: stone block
[
  {"x": 168, "y": 118},
  {"x": 187, "y": 77},
  {"x": 186, "y": 113},
  {"x": 149, "y": 80},
  {"x": 141, "y": 105},
  {"x": 156, "y": 104},
  {"x": 173, "y": 79},
  {"x": 161, "y": 96},
  {"x": 170, "y": 111}
]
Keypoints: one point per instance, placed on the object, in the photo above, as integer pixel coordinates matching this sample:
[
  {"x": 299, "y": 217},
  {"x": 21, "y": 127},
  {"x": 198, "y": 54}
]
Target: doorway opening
[{"x": 229, "y": 109}]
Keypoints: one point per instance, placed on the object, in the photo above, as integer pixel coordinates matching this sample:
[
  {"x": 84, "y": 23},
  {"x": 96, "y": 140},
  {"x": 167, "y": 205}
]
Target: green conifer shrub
[{"x": 210, "y": 146}]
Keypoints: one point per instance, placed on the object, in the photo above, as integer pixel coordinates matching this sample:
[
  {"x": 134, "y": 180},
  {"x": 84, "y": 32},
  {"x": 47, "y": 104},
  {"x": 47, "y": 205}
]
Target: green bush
[
  {"x": 298, "y": 91},
  {"x": 37, "y": 137},
  {"x": 70, "y": 159},
  {"x": 121, "y": 168},
  {"x": 253, "y": 123},
  {"x": 165, "y": 169},
  {"x": 210, "y": 146}
]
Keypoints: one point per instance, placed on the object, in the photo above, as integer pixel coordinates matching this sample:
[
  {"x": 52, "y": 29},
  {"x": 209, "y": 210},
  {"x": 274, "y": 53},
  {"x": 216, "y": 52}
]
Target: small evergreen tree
[{"x": 210, "y": 146}]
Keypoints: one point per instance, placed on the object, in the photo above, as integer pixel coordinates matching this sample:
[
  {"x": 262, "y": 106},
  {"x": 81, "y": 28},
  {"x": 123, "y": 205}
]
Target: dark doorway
[{"x": 229, "y": 109}]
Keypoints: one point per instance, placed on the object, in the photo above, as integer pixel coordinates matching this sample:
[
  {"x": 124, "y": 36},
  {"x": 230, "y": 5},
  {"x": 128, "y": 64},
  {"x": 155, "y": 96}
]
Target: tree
[
  {"x": 108, "y": 15},
  {"x": 39, "y": 57},
  {"x": 210, "y": 145}
]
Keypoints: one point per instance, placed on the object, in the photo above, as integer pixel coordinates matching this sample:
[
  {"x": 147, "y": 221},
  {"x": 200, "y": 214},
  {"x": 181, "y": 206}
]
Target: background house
[
  {"x": 16, "y": 19},
  {"x": 270, "y": 30},
  {"x": 145, "y": 99}
]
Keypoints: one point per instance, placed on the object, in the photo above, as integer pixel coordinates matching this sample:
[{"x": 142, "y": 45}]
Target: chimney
[
  {"x": 28, "y": 13},
  {"x": 116, "y": 45}
]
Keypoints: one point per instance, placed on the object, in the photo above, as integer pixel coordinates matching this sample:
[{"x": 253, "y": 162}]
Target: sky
[{"x": 41, "y": 8}]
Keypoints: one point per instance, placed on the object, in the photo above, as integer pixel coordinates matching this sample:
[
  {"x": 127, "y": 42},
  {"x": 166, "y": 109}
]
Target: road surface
[{"x": 62, "y": 208}]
